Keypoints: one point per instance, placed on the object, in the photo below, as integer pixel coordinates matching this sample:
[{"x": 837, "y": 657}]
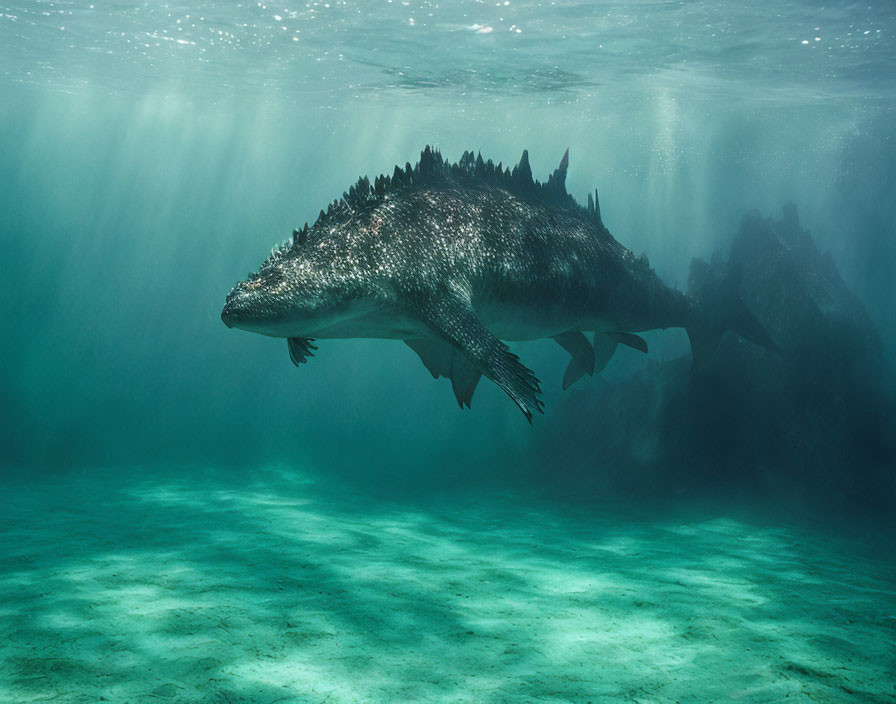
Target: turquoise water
[
  {"x": 188, "y": 517},
  {"x": 281, "y": 588}
]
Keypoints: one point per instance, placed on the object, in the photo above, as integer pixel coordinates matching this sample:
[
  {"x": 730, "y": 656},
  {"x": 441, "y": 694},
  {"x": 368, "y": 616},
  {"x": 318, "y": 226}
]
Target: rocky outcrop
[{"x": 817, "y": 417}]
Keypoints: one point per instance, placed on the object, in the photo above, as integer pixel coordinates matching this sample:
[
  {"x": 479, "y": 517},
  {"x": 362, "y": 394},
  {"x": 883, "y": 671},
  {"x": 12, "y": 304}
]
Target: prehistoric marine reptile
[{"x": 456, "y": 258}]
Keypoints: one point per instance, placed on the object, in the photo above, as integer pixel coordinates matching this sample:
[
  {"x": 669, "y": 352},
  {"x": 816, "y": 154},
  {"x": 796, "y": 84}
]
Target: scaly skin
[{"x": 465, "y": 255}]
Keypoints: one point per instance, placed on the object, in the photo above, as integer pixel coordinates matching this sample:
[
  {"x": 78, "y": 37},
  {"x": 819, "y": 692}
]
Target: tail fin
[{"x": 719, "y": 308}]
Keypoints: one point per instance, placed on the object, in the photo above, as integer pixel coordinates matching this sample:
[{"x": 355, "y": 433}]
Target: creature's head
[{"x": 300, "y": 291}]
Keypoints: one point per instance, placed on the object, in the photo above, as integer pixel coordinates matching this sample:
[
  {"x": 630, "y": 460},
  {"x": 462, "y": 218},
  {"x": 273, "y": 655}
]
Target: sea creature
[{"x": 456, "y": 259}]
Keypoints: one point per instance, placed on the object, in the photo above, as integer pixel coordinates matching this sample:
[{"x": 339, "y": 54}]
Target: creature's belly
[
  {"x": 516, "y": 320},
  {"x": 381, "y": 325},
  {"x": 535, "y": 307},
  {"x": 527, "y": 322}
]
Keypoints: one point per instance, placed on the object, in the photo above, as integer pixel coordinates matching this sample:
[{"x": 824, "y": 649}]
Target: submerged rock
[{"x": 816, "y": 419}]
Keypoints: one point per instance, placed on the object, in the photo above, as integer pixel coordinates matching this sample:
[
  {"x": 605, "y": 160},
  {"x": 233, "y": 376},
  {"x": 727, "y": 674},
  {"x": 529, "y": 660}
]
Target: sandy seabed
[{"x": 276, "y": 588}]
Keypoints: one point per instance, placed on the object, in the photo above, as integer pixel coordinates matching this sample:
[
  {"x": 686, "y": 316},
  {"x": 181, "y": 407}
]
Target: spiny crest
[
  {"x": 277, "y": 253},
  {"x": 643, "y": 263},
  {"x": 519, "y": 180},
  {"x": 432, "y": 168}
]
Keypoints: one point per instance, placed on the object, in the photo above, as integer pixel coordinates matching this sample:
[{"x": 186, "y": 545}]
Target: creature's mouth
[
  {"x": 227, "y": 316},
  {"x": 236, "y": 315}
]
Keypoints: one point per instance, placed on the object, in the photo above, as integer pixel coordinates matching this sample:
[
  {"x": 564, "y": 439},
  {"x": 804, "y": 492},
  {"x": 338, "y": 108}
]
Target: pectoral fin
[
  {"x": 630, "y": 340},
  {"x": 452, "y": 319},
  {"x": 435, "y": 355},
  {"x": 464, "y": 377},
  {"x": 300, "y": 349},
  {"x": 441, "y": 359},
  {"x": 582, "y": 356},
  {"x": 604, "y": 347}
]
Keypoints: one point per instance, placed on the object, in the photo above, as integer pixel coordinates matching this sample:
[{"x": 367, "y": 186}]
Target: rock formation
[{"x": 817, "y": 419}]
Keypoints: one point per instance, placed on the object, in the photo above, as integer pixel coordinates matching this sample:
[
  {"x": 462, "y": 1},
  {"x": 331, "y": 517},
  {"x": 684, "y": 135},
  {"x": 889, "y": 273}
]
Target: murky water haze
[
  {"x": 130, "y": 216},
  {"x": 152, "y": 154}
]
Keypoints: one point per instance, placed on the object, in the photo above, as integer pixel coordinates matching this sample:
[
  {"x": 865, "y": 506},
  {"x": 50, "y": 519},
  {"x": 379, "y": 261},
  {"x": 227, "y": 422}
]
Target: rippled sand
[{"x": 279, "y": 589}]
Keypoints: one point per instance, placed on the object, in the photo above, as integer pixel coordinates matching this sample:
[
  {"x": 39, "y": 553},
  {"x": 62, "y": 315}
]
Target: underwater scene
[{"x": 447, "y": 351}]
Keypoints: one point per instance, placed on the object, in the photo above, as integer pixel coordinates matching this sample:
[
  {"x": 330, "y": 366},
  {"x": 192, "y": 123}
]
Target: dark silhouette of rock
[{"x": 817, "y": 418}]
